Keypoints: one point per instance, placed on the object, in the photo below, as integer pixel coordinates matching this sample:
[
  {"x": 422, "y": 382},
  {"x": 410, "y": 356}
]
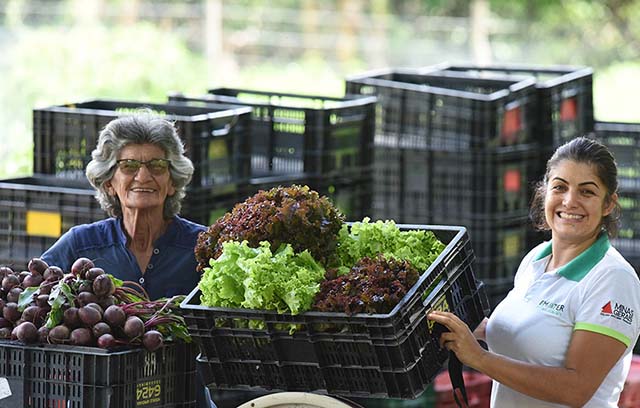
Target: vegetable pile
[
  {"x": 86, "y": 307},
  {"x": 293, "y": 215},
  {"x": 270, "y": 252},
  {"x": 374, "y": 285}
]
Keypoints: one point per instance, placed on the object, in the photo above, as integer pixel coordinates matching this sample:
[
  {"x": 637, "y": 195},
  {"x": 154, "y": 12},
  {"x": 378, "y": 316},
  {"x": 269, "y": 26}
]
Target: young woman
[{"x": 564, "y": 334}]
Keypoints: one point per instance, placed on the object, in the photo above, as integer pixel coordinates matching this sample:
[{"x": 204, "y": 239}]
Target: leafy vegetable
[
  {"x": 366, "y": 239},
  {"x": 373, "y": 285},
  {"x": 295, "y": 215},
  {"x": 256, "y": 278}
]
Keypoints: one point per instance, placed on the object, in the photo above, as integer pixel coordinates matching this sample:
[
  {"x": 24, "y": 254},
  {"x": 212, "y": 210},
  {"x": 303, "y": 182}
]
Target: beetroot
[
  {"x": 97, "y": 307},
  {"x": 9, "y": 282},
  {"x": 32, "y": 280},
  {"x": 152, "y": 340},
  {"x": 94, "y": 273},
  {"x": 27, "y": 332},
  {"x": 14, "y": 294},
  {"x": 33, "y": 314},
  {"x": 4, "y": 271},
  {"x": 5, "y": 333},
  {"x": 101, "y": 328},
  {"x": 43, "y": 334},
  {"x": 103, "y": 286},
  {"x": 37, "y": 266},
  {"x": 11, "y": 312},
  {"x": 133, "y": 327},
  {"x": 106, "y": 341},
  {"x": 106, "y": 302},
  {"x": 80, "y": 266},
  {"x": 115, "y": 316},
  {"x": 59, "y": 334},
  {"x": 5, "y": 323},
  {"x": 89, "y": 316},
  {"x": 42, "y": 301},
  {"x": 81, "y": 337},
  {"x": 53, "y": 273},
  {"x": 71, "y": 318},
  {"x": 84, "y": 298}
]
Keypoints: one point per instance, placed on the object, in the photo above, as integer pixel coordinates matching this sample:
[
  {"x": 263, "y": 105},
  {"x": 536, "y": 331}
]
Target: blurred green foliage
[{"x": 66, "y": 55}]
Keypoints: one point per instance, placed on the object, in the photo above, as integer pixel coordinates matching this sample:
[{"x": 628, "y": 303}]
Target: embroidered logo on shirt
[
  {"x": 617, "y": 311},
  {"x": 555, "y": 309}
]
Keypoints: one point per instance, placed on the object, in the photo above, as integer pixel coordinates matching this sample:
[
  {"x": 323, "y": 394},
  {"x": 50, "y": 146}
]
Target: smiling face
[
  {"x": 142, "y": 190},
  {"x": 575, "y": 202}
]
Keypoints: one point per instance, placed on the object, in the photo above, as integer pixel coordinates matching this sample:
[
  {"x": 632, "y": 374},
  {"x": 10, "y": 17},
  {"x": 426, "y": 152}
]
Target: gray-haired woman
[{"x": 140, "y": 173}]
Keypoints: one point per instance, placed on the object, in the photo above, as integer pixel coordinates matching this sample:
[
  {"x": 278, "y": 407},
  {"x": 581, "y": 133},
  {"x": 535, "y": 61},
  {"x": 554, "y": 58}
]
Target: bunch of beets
[{"x": 86, "y": 307}]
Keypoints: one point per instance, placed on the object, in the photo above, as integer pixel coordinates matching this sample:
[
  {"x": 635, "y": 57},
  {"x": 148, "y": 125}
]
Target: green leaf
[{"x": 26, "y": 297}]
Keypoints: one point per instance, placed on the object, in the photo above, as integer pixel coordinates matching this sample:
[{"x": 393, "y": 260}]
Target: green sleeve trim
[{"x": 603, "y": 330}]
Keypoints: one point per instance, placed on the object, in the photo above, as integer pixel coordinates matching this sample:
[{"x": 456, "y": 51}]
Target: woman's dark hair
[{"x": 588, "y": 151}]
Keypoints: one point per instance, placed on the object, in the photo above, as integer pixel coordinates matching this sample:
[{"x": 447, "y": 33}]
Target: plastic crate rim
[{"x": 68, "y": 108}]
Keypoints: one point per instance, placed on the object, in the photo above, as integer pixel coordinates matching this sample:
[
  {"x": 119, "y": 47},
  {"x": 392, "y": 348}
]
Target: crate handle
[{"x": 435, "y": 291}]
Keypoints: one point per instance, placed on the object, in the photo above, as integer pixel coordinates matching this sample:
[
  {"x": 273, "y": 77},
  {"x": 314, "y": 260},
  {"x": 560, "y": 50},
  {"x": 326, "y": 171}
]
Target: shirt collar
[{"x": 580, "y": 266}]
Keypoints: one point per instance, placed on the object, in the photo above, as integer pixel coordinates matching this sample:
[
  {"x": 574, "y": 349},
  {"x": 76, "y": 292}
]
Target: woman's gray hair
[{"x": 143, "y": 127}]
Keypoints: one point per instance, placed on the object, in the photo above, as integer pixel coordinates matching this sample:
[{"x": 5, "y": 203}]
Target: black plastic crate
[
  {"x": 387, "y": 200},
  {"x": 437, "y": 186},
  {"x": 448, "y": 112},
  {"x": 75, "y": 377},
  {"x": 36, "y": 211},
  {"x": 205, "y": 205},
  {"x": 499, "y": 245},
  {"x": 564, "y": 93},
  {"x": 216, "y": 138},
  {"x": 623, "y": 139},
  {"x": 628, "y": 239},
  {"x": 382, "y": 349},
  {"x": 295, "y": 133}
]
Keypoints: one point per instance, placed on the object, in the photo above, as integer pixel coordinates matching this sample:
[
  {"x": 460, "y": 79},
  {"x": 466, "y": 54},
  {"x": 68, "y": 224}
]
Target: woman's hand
[{"x": 459, "y": 338}]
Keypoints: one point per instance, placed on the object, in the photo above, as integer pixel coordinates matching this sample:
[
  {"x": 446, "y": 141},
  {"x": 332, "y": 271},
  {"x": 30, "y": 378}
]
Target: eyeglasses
[{"x": 130, "y": 167}]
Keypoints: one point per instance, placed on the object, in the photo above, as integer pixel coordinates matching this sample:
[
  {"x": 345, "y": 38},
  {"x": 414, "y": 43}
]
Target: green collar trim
[{"x": 580, "y": 266}]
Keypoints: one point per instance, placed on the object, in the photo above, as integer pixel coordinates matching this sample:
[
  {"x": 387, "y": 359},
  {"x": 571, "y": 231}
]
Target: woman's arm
[{"x": 590, "y": 357}]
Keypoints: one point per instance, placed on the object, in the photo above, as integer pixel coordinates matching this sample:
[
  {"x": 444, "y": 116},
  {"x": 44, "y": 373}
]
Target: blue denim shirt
[{"x": 172, "y": 267}]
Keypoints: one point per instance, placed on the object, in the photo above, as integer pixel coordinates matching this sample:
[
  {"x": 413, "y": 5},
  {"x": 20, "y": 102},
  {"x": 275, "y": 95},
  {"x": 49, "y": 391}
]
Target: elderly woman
[{"x": 140, "y": 173}]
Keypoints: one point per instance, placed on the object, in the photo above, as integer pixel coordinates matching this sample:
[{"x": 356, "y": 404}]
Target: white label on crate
[{"x": 5, "y": 389}]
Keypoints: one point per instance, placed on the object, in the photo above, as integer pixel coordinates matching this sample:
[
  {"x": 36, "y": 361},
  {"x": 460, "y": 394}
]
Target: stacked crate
[
  {"x": 323, "y": 142},
  {"x": 456, "y": 149},
  {"x": 464, "y": 144},
  {"x": 623, "y": 139},
  {"x": 37, "y": 210}
]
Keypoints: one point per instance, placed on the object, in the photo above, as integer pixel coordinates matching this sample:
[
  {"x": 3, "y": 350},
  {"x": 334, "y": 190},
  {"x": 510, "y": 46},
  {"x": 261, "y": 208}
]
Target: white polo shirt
[{"x": 598, "y": 291}]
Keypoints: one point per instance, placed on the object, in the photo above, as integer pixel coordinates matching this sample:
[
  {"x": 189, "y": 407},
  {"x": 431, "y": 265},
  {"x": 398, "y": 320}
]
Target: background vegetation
[{"x": 54, "y": 52}]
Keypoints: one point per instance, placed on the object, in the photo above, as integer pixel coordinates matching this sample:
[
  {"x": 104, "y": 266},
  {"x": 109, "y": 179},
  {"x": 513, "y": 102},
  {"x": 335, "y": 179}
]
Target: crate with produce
[
  {"x": 216, "y": 137},
  {"x": 87, "y": 339},
  {"x": 295, "y": 133},
  {"x": 453, "y": 112},
  {"x": 293, "y": 298}
]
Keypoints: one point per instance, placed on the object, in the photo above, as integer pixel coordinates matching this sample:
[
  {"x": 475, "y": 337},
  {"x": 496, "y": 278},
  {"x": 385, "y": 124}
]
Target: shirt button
[
  {"x": 150, "y": 266},
  {"x": 141, "y": 280},
  {"x": 156, "y": 251}
]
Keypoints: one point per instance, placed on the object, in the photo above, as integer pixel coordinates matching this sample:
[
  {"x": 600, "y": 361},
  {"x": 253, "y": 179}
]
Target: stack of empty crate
[
  {"x": 623, "y": 139},
  {"x": 35, "y": 211},
  {"x": 323, "y": 142},
  {"x": 464, "y": 145}
]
